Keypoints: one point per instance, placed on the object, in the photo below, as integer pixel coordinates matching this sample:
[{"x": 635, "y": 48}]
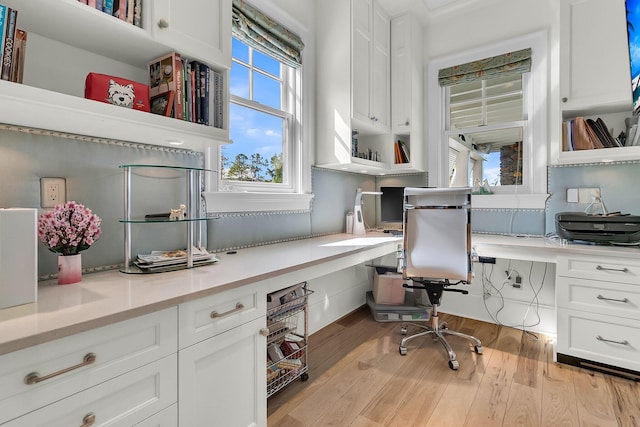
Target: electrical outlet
[{"x": 52, "y": 192}]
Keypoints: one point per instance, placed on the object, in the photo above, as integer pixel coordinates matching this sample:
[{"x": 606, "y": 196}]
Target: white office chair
[{"x": 437, "y": 254}]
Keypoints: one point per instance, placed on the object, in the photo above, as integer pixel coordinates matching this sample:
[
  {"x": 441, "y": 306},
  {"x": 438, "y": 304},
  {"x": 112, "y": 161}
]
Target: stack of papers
[{"x": 163, "y": 260}]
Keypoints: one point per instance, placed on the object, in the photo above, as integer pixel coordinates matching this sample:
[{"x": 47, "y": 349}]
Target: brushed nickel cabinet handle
[
  {"x": 34, "y": 377},
  {"x": 264, "y": 332},
  {"x": 622, "y": 270},
  {"x": 163, "y": 23},
  {"x": 216, "y": 315},
  {"x": 89, "y": 420},
  {"x": 612, "y": 299},
  {"x": 623, "y": 342}
]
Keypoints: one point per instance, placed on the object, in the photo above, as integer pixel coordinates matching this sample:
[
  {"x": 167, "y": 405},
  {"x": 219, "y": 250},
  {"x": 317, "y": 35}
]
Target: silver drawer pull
[
  {"x": 89, "y": 420},
  {"x": 34, "y": 377},
  {"x": 612, "y": 299},
  {"x": 215, "y": 314},
  {"x": 623, "y": 342},
  {"x": 622, "y": 270}
]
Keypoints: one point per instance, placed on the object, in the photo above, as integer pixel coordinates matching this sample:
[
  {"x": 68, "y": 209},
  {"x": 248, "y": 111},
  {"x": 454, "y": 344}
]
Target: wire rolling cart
[{"x": 287, "y": 351}]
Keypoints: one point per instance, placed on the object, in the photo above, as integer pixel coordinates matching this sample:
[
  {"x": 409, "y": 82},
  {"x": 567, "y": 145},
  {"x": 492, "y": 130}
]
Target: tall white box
[{"x": 18, "y": 256}]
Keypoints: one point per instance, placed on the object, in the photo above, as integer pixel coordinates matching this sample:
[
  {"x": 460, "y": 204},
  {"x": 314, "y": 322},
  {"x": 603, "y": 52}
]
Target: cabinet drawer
[
  {"x": 212, "y": 315},
  {"x": 614, "y": 299},
  {"x": 166, "y": 418},
  {"x": 599, "y": 338},
  {"x": 123, "y": 401},
  {"x": 118, "y": 348},
  {"x": 622, "y": 270}
]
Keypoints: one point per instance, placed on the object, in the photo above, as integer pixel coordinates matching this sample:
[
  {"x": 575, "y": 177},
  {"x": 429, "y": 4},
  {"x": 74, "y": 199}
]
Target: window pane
[
  {"x": 466, "y": 115},
  {"x": 239, "y": 50},
  {"x": 266, "y": 63},
  {"x": 504, "y": 85},
  {"x": 256, "y": 152},
  {"x": 266, "y": 90},
  {"x": 466, "y": 91},
  {"x": 239, "y": 80},
  {"x": 503, "y": 110}
]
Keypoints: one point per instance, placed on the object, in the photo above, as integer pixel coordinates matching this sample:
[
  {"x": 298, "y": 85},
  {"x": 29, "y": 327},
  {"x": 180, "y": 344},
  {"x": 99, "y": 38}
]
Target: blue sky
[{"x": 252, "y": 131}]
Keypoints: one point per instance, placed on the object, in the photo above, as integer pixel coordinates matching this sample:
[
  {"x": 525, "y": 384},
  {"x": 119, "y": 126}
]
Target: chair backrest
[{"x": 437, "y": 233}]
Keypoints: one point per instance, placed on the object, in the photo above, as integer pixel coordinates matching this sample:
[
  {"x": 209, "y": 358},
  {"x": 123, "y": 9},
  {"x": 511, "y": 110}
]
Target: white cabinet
[
  {"x": 173, "y": 24},
  {"x": 598, "y": 311},
  {"x": 407, "y": 90},
  {"x": 370, "y": 66},
  {"x": 594, "y": 73},
  {"x": 68, "y": 39},
  {"x": 90, "y": 372},
  {"x": 353, "y": 84},
  {"x": 222, "y": 359},
  {"x": 223, "y": 379}
]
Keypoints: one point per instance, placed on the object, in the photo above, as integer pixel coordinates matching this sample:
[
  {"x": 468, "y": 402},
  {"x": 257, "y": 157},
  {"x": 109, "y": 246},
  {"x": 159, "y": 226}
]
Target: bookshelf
[{"x": 68, "y": 39}]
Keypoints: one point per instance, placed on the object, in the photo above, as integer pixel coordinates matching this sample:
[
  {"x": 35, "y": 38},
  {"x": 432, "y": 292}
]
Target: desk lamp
[{"x": 358, "y": 218}]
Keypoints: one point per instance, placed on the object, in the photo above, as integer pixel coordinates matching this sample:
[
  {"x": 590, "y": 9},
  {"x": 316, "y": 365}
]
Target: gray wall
[{"x": 93, "y": 177}]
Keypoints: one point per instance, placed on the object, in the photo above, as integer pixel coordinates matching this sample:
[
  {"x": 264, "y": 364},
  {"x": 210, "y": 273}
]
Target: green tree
[
  {"x": 240, "y": 168},
  {"x": 275, "y": 171},
  {"x": 257, "y": 163}
]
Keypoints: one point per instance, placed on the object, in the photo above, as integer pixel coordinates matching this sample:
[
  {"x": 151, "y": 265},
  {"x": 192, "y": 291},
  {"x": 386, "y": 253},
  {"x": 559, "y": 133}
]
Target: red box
[{"x": 117, "y": 91}]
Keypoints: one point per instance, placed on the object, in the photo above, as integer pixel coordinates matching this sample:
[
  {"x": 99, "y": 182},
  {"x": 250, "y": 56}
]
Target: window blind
[{"x": 516, "y": 62}]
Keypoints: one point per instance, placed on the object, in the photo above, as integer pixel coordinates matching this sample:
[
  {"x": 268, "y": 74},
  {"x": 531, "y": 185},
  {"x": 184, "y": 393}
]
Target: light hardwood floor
[{"x": 358, "y": 378}]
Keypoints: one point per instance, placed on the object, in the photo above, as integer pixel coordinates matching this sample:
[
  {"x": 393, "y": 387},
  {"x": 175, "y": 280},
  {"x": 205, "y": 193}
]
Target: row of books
[
  {"x": 128, "y": 10},
  {"x": 401, "y": 152},
  {"x": 191, "y": 90},
  {"x": 13, "y": 42},
  {"x": 587, "y": 134},
  {"x": 633, "y": 133}
]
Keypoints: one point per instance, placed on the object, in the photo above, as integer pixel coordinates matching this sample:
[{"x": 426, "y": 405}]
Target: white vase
[{"x": 69, "y": 269}]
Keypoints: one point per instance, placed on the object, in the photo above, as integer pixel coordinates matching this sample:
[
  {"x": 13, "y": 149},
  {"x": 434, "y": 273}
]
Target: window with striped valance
[
  {"x": 259, "y": 31},
  {"x": 517, "y": 62}
]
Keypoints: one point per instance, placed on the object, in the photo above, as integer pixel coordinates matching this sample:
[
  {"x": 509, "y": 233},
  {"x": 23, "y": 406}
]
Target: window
[
  {"x": 261, "y": 121},
  {"x": 267, "y": 167},
  {"x": 495, "y": 123}
]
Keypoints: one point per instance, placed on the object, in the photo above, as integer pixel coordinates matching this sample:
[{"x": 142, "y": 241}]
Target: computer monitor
[{"x": 390, "y": 208}]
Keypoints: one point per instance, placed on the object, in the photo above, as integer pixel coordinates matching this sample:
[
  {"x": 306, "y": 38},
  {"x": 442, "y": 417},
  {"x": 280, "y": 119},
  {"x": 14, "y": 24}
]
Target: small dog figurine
[
  {"x": 177, "y": 214},
  {"x": 121, "y": 95}
]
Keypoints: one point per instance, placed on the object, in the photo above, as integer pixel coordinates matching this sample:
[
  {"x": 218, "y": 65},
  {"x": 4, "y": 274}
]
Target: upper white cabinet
[
  {"x": 172, "y": 23},
  {"x": 68, "y": 39},
  {"x": 594, "y": 73},
  {"x": 354, "y": 87},
  {"x": 370, "y": 66},
  {"x": 407, "y": 90}
]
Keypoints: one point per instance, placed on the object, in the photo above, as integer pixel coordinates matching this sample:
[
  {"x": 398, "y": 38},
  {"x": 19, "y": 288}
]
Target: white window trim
[
  {"x": 535, "y": 196},
  {"x": 297, "y": 195}
]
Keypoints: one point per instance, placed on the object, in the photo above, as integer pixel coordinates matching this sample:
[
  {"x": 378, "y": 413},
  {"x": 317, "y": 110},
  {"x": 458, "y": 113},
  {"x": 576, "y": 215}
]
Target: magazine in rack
[{"x": 164, "y": 260}]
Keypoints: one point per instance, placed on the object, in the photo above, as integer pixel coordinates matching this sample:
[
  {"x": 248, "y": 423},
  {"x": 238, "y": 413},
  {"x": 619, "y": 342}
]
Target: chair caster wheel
[
  {"x": 478, "y": 349},
  {"x": 454, "y": 365},
  {"x": 403, "y": 330},
  {"x": 304, "y": 376},
  {"x": 403, "y": 351}
]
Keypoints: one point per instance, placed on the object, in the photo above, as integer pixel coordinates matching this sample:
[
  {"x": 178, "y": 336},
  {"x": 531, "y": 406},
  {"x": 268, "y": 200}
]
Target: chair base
[{"x": 438, "y": 332}]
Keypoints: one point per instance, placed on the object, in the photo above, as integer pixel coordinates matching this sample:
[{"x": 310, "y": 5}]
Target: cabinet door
[
  {"x": 362, "y": 40},
  {"x": 401, "y": 74},
  {"x": 223, "y": 379},
  {"x": 197, "y": 28},
  {"x": 594, "y": 55},
  {"x": 380, "y": 71}
]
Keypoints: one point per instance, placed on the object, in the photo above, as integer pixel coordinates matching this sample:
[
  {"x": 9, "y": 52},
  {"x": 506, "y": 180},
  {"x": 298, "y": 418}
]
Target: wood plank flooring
[{"x": 357, "y": 378}]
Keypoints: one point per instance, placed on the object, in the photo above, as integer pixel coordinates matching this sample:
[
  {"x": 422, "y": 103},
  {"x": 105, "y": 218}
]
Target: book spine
[
  {"x": 196, "y": 100},
  {"x": 91, "y": 3},
  {"x": 3, "y": 20},
  {"x": 177, "y": 79},
  {"x": 218, "y": 101},
  {"x": 7, "y": 54},
  {"x": 107, "y": 7},
  {"x": 129, "y": 14},
  {"x": 99, "y": 4},
  {"x": 193, "y": 94},
  {"x": 137, "y": 13},
  {"x": 203, "y": 88},
  {"x": 122, "y": 10},
  {"x": 187, "y": 91},
  {"x": 207, "y": 96},
  {"x": 19, "y": 47}
]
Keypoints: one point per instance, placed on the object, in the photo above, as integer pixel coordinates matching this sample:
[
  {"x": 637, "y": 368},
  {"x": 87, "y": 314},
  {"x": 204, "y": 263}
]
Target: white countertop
[{"x": 108, "y": 297}]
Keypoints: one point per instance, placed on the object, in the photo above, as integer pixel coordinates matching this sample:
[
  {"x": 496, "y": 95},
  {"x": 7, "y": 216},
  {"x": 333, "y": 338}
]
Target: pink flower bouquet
[{"x": 69, "y": 228}]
